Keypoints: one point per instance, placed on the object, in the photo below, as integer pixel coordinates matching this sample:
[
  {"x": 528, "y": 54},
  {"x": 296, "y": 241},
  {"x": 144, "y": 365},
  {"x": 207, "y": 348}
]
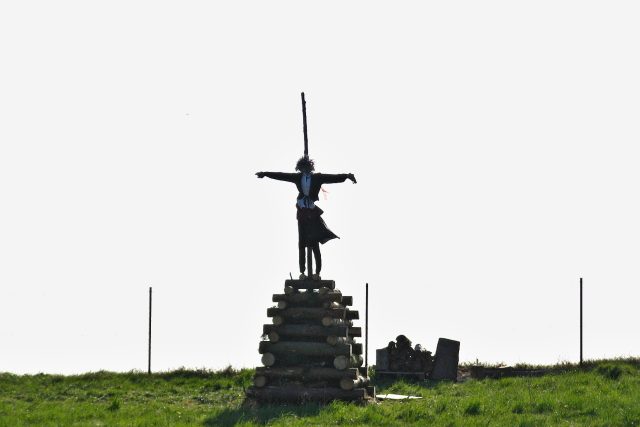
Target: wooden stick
[
  {"x": 149, "y": 358},
  {"x": 581, "y": 321},
  {"x": 304, "y": 126},
  {"x": 366, "y": 331}
]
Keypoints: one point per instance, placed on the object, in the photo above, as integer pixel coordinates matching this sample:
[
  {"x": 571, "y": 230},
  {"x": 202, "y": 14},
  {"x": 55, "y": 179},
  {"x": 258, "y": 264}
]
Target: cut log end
[
  {"x": 345, "y": 384},
  {"x": 341, "y": 363},
  {"x": 344, "y": 362},
  {"x": 282, "y": 305},
  {"x": 261, "y": 381},
  {"x": 268, "y": 359},
  {"x": 274, "y": 336},
  {"x": 277, "y": 320}
]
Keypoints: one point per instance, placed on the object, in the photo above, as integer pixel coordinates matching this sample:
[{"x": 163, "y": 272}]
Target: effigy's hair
[{"x": 305, "y": 163}]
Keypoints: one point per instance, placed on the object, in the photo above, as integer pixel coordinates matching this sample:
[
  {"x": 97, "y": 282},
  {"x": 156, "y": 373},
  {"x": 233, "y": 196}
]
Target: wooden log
[
  {"x": 297, "y": 360},
  {"x": 304, "y": 348},
  {"x": 446, "y": 363},
  {"x": 332, "y": 321},
  {"x": 268, "y": 359},
  {"x": 310, "y": 284},
  {"x": 350, "y": 384},
  {"x": 289, "y": 290},
  {"x": 303, "y": 330},
  {"x": 261, "y": 381},
  {"x": 282, "y": 305},
  {"x": 312, "y": 298},
  {"x": 333, "y": 340},
  {"x": 344, "y": 362},
  {"x": 332, "y": 304},
  {"x": 303, "y": 297},
  {"x": 307, "y": 374},
  {"x": 312, "y": 313},
  {"x": 343, "y": 302},
  {"x": 324, "y": 290},
  {"x": 356, "y": 348},
  {"x": 273, "y": 336},
  {"x": 277, "y": 320},
  {"x": 305, "y": 394},
  {"x": 355, "y": 331},
  {"x": 353, "y": 314}
]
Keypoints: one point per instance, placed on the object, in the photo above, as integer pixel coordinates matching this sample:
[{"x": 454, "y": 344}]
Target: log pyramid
[{"x": 309, "y": 352}]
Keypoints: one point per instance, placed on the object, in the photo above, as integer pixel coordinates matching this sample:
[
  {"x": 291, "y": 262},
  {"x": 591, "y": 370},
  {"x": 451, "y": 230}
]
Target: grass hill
[{"x": 602, "y": 393}]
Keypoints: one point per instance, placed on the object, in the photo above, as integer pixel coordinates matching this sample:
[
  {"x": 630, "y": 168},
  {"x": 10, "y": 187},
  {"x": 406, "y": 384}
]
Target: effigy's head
[{"x": 305, "y": 165}]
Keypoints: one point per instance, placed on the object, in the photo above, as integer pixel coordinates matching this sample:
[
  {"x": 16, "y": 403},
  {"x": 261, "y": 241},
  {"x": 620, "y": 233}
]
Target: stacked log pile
[
  {"x": 309, "y": 352},
  {"x": 402, "y": 357},
  {"x": 399, "y": 357}
]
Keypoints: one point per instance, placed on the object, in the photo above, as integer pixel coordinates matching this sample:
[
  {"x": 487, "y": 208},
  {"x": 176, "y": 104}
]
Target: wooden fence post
[{"x": 149, "y": 359}]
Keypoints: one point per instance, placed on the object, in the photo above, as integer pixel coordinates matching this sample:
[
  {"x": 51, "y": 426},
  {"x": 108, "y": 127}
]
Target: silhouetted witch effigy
[
  {"x": 312, "y": 229},
  {"x": 309, "y": 352}
]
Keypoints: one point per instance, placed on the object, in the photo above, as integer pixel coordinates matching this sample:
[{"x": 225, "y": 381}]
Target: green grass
[{"x": 606, "y": 393}]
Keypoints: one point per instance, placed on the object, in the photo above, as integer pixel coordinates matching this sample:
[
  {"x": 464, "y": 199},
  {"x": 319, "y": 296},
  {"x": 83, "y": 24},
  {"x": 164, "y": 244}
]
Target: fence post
[
  {"x": 581, "y": 321},
  {"x": 366, "y": 331},
  {"x": 149, "y": 359}
]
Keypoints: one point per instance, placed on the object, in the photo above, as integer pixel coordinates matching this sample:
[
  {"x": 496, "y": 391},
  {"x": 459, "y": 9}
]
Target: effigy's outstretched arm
[
  {"x": 280, "y": 176},
  {"x": 328, "y": 178}
]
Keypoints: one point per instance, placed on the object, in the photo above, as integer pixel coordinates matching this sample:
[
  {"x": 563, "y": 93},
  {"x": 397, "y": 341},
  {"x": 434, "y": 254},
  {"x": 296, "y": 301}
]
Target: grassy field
[{"x": 605, "y": 393}]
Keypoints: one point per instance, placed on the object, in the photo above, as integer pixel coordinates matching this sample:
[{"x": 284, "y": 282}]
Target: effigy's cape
[{"x": 312, "y": 227}]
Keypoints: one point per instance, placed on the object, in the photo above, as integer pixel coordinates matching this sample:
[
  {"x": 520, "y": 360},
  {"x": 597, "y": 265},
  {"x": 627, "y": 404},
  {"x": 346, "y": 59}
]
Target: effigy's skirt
[{"x": 312, "y": 228}]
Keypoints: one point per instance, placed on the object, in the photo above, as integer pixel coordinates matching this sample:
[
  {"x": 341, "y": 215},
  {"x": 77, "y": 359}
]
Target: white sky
[{"x": 495, "y": 145}]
